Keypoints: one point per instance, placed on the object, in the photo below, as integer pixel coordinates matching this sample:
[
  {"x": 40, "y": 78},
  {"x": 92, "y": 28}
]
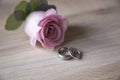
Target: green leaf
[
  {"x": 39, "y": 2},
  {"x": 28, "y": 9},
  {"x": 35, "y": 4},
  {"x": 19, "y": 15},
  {"x": 44, "y": 7},
  {"x": 52, "y": 6},
  {"x": 11, "y": 23},
  {"x": 22, "y": 10},
  {"x": 22, "y": 7}
]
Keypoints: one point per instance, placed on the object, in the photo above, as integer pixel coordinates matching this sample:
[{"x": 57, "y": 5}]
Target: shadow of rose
[
  {"x": 118, "y": 78},
  {"x": 74, "y": 32}
]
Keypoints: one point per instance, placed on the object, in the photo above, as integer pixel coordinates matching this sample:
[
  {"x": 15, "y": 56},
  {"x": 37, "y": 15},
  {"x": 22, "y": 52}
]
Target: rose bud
[{"x": 46, "y": 27}]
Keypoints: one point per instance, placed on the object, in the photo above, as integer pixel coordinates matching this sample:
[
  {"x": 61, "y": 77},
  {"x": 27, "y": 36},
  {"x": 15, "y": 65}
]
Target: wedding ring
[
  {"x": 75, "y": 53},
  {"x": 63, "y": 53}
]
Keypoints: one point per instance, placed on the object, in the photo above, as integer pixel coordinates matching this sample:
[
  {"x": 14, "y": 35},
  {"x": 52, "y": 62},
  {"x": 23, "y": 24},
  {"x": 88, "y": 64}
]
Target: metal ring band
[
  {"x": 75, "y": 53},
  {"x": 63, "y": 53}
]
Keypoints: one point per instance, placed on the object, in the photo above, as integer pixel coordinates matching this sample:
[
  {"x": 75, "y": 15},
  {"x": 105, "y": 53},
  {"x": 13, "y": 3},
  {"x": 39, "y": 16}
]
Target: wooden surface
[{"x": 94, "y": 28}]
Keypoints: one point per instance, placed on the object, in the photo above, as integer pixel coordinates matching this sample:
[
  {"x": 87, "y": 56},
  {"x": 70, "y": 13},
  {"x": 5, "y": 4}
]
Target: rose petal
[
  {"x": 33, "y": 40},
  {"x": 31, "y": 26},
  {"x": 50, "y": 12},
  {"x": 53, "y": 42},
  {"x": 46, "y": 20},
  {"x": 65, "y": 24}
]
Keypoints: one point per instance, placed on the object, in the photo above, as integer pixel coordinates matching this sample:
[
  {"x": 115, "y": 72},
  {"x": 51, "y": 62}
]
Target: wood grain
[{"x": 94, "y": 28}]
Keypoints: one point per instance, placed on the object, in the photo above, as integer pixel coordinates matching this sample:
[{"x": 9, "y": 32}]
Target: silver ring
[
  {"x": 75, "y": 53},
  {"x": 63, "y": 53}
]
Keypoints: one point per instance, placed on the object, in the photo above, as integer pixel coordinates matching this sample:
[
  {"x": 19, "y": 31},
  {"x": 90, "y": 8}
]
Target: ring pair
[{"x": 65, "y": 53}]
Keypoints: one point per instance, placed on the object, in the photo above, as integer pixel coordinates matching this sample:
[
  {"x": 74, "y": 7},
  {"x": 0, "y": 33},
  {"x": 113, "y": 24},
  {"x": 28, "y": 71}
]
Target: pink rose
[{"x": 48, "y": 28}]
